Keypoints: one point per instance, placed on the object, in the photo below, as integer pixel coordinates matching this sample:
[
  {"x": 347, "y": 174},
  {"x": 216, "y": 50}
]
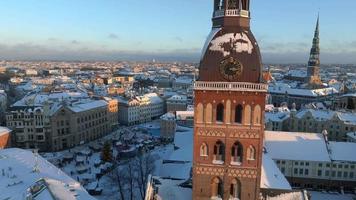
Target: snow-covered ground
[{"x": 83, "y": 163}]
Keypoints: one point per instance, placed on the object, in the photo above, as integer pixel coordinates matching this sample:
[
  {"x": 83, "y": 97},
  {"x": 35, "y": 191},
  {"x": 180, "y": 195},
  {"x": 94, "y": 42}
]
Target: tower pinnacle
[{"x": 231, "y": 13}]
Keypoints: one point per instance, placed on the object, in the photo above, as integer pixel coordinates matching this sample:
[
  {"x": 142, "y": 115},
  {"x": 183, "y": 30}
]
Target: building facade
[
  {"x": 168, "y": 127},
  {"x": 338, "y": 124},
  {"x": 140, "y": 109},
  {"x": 311, "y": 161},
  {"x": 55, "y": 126},
  {"x": 229, "y": 109},
  {"x": 177, "y": 103}
]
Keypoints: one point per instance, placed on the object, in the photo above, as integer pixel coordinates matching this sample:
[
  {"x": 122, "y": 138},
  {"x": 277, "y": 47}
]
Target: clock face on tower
[{"x": 231, "y": 69}]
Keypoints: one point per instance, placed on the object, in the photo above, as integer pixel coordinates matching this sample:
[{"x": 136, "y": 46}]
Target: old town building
[
  {"x": 229, "y": 109},
  {"x": 53, "y": 122}
]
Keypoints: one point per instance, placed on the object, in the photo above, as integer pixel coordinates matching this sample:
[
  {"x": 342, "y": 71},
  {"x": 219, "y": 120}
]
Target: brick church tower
[{"x": 229, "y": 109}]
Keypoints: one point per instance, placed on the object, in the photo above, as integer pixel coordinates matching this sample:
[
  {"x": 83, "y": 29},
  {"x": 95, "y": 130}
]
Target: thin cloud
[
  {"x": 75, "y": 42},
  {"x": 113, "y": 36},
  {"x": 178, "y": 39}
]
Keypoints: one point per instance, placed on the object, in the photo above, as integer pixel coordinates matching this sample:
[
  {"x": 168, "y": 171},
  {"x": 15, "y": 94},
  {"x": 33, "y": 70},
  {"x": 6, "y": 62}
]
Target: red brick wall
[{"x": 249, "y": 173}]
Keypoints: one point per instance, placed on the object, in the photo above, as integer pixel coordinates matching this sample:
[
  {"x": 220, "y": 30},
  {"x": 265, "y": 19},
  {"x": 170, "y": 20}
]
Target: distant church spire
[
  {"x": 315, "y": 51},
  {"x": 314, "y": 59}
]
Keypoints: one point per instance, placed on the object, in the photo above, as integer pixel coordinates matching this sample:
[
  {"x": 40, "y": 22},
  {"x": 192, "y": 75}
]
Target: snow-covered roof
[
  {"x": 184, "y": 80},
  {"x": 319, "y": 115},
  {"x": 282, "y": 88},
  {"x": 324, "y": 115},
  {"x": 81, "y": 107},
  {"x": 276, "y": 116},
  {"x": 296, "y": 146},
  {"x": 170, "y": 189},
  {"x": 271, "y": 176},
  {"x": 178, "y": 98},
  {"x": 41, "y": 98},
  {"x": 168, "y": 116},
  {"x": 330, "y": 196},
  {"x": 154, "y": 98},
  {"x": 19, "y": 165},
  {"x": 183, "y": 115},
  {"x": 343, "y": 151},
  {"x": 297, "y": 73},
  {"x": 178, "y": 165},
  {"x": 4, "y": 130}
]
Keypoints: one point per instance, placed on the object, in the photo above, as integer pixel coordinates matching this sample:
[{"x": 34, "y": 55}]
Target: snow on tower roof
[
  {"x": 18, "y": 165},
  {"x": 296, "y": 146}
]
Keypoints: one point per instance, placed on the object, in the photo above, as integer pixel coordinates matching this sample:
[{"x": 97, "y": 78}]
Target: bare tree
[
  {"x": 144, "y": 166},
  {"x": 117, "y": 176}
]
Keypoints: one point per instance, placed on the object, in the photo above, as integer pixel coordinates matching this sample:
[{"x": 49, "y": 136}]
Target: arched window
[
  {"x": 235, "y": 189},
  {"x": 200, "y": 113},
  {"x": 238, "y": 114},
  {"x": 247, "y": 115},
  {"x": 204, "y": 150},
  {"x": 219, "y": 153},
  {"x": 220, "y": 113},
  {"x": 216, "y": 188},
  {"x": 236, "y": 154},
  {"x": 251, "y": 153},
  {"x": 257, "y": 115},
  {"x": 209, "y": 113}
]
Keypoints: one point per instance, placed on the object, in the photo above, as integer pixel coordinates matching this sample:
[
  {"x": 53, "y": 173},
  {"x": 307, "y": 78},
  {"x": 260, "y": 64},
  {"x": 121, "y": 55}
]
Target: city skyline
[{"x": 141, "y": 30}]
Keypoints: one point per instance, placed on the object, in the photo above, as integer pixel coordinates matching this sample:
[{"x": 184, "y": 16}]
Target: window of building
[
  {"x": 319, "y": 173},
  {"x": 238, "y": 114},
  {"x": 339, "y": 174},
  {"x": 235, "y": 189},
  {"x": 333, "y": 173},
  {"x": 295, "y": 171},
  {"x": 251, "y": 153},
  {"x": 204, "y": 150},
  {"x": 220, "y": 113},
  {"x": 219, "y": 153},
  {"x": 217, "y": 188},
  {"x": 345, "y": 174},
  {"x": 301, "y": 171},
  {"x": 236, "y": 153},
  {"x": 327, "y": 173},
  {"x": 283, "y": 170},
  {"x": 351, "y": 174},
  {"x": 306, "y": 172},
  {"x": 247, "y": 114},
  {"x": 257, "y": 115}
]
